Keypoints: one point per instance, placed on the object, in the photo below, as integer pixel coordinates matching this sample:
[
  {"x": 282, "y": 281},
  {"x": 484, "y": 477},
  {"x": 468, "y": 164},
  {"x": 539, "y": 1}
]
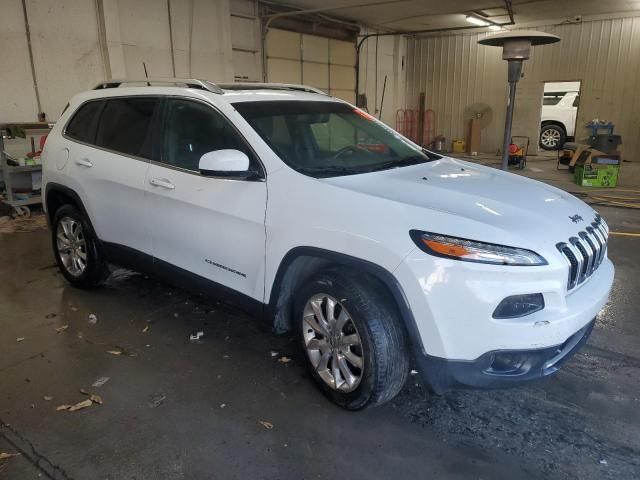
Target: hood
[{"x": 509, "y": 202}]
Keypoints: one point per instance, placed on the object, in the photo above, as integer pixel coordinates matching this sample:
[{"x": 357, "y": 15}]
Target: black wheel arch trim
[
  {"x": 53, "y": 187},
  {"x": 378, "y": 272}
]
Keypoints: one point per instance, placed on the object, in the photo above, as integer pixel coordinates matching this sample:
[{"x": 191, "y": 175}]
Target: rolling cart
[{"x": 11, "y": 169}]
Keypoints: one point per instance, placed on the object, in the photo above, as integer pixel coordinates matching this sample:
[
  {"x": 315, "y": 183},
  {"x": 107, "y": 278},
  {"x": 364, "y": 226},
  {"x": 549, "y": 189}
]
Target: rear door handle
[
  {"x": 84, "y": 162},
  {"x": 162, "y": 182}
]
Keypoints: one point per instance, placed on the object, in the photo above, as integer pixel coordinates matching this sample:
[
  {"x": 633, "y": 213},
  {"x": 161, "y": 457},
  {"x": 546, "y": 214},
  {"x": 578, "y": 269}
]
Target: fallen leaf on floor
[
  {"x": 145, "y": 329},
  {"x": 50, "y": 315},
  {"x": 114, "y": 352},
  {"x": 284, "y": 360},
  {"x": 100, "y": 381},
  {"x": 4, "y": 456},
  {"x": 265, "y": 424},
  {"x": 96, "y": 399},
  {"x": 62, "y": 328},
  {"x": 20, "y": 339},
  {"x": 93, "y": 318},
  {"x": 47, "y": 398},
  {"x": 77, "y": 406}
]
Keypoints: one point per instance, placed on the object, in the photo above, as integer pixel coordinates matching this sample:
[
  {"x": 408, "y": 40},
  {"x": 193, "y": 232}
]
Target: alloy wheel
[
  {"x": 72, "y": 246},
  {"x": 333, "y": 343},
  {"x": 550, "y": 138}
]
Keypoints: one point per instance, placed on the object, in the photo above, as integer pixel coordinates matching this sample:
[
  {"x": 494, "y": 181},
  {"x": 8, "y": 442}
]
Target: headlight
[{"x": 472, "y": 251}]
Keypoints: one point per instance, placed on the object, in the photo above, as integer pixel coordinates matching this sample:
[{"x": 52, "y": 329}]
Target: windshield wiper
[
  {"x": 330, "y": 170},
  {"x": 403, "y": 162}
]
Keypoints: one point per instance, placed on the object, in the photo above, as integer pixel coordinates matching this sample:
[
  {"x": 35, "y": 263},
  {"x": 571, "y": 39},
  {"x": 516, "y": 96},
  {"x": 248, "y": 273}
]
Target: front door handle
[
  {"x": 162, "y": 182},
  {"x": 84, "y": 162}
]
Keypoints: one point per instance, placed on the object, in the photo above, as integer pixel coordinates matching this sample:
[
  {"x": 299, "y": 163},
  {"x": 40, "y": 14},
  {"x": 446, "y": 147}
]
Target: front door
[{"x": 209, "y": 228}]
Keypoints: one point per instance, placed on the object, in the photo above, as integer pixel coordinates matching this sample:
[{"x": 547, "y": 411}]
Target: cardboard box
[{"x": 474, "y": 138}]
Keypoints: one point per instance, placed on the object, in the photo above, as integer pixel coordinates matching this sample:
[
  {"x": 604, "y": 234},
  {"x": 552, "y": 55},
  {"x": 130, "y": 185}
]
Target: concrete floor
[{"x": 176, "y": 409}]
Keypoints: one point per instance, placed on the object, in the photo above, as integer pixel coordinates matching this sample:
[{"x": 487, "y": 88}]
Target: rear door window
[
  {"x": 82, "y": 126},
  {"x": 126, "y": 125}
]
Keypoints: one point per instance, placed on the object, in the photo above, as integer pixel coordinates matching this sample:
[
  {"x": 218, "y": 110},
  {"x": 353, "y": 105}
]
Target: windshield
[{"x": 329, "y": 139}]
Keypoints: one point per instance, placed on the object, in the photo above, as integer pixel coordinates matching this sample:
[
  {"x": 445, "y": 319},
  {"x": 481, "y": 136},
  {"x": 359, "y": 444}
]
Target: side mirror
[{"x": 226, "y": 163}]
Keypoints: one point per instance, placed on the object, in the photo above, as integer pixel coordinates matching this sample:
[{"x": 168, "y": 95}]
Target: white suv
[
  {"x": 558, "y": 115},
  {"x": 318, "y": 217}
]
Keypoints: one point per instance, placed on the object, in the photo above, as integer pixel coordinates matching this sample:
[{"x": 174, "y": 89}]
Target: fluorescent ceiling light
[
  {"x": 476, "y": 21},
  {"x": 495, "y": 28}
]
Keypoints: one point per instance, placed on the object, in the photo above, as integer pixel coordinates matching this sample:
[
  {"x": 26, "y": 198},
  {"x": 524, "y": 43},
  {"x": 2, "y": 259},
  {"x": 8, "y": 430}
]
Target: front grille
[{"x": 585, "y": 252}]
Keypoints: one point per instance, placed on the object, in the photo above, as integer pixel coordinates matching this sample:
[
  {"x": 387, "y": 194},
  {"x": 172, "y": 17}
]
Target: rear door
[
  {"x": 112, "y": 171},
  {"x": 209, "y": 228}
]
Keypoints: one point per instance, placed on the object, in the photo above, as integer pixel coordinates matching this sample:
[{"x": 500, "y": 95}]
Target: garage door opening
[{"x": 558, "y": 116}]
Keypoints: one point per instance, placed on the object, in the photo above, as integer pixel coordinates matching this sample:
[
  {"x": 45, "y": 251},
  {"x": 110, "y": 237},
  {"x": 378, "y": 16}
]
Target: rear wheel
[
  {"x": 76, "y": 249},
  {"x": 552, "y": 137},
  {"x": 353, "y": 340}
]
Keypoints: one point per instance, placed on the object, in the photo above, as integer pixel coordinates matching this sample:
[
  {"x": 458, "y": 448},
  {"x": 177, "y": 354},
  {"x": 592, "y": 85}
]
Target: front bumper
[{"x": 499, "y": 368}]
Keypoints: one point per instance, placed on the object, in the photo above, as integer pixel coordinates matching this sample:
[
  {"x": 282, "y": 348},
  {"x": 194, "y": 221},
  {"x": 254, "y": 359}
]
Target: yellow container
[{"x": 458, "y": 146}]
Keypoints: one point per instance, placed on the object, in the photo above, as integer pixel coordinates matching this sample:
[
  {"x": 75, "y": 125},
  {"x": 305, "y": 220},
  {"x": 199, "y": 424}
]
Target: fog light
[
  {"x": 517, "y": 306},
  {"x": 506, "y": 363}
]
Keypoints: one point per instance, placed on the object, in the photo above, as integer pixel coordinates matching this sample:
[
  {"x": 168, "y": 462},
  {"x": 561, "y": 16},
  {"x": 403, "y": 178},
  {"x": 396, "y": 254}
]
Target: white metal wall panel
[
  {"x": 246, "y": 41},
  {"x": 454, "y": 71}
]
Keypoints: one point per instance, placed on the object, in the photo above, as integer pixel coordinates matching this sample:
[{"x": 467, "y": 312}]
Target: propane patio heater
[{"x": 516, "y": 48}]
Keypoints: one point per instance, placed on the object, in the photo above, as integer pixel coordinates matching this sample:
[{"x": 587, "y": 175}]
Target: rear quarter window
[{"x": 82, "y": 126}]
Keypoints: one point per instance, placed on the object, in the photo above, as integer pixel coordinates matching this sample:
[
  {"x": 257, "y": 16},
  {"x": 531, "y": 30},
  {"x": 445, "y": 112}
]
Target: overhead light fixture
[
  {"x": 495, "y": 28},
  {"x": 476, "y": 21}
]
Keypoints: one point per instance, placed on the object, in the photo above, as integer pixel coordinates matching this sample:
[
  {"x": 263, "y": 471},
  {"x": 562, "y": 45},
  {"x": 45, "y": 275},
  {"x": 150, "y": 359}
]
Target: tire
[
  {"x": 552, "y": 137},
  {"x": 369, "y": 329},
  {"x": 76, "y": 248}
]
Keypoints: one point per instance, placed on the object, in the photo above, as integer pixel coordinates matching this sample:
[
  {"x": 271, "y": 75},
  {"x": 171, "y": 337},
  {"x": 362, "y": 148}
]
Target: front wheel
[
  {"x": 76, "y": 249},
  {"x": 354, "y": 342}
]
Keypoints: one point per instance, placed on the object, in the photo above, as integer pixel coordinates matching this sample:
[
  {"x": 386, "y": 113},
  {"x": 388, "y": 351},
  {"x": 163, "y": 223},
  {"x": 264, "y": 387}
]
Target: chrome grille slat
[{"x": 585, "y": 252}]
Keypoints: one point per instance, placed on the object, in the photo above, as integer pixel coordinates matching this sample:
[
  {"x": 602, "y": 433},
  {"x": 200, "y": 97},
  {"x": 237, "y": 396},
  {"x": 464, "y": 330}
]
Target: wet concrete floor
[{"x": 174, "y": 409}]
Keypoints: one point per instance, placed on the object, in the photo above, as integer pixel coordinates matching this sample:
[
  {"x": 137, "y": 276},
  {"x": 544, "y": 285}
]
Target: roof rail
[
  {"x": 178, "y": 82},
  {"x": 269, "y": 86}
]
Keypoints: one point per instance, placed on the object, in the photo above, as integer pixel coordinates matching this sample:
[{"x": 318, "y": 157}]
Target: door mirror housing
[{"x": 226, "y": 163}]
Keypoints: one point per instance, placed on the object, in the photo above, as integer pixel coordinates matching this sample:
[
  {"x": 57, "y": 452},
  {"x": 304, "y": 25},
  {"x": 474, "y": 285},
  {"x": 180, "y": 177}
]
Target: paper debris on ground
[
  {"x": 47, "y": 398},
  {"x": 62, "y": 328},
  {"x": 74, "y": 309},
  {"x": 4, "y": 455},
  {"x": 114, "y": 352},
  {"x": 284, "y": 359},
  {"x": 100, "y": 381},
  {"x": 78, "y": 406},
  {"x": 196, "y": 337},
  {"x": 145, "y": 329},
  {"x": 265, "y": 424},
  {"x": 156, "y": 400},
  {"x": 93, "y": 318},
  {"x": 96, "y": 399},
  {"x": 414, "y": 372},
  {"x": 274, "y": 353},
  {"x": 20, "y": 339}
]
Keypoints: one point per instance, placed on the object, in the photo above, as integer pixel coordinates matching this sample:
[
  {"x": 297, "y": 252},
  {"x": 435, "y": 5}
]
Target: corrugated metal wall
[{"x": 454, "y": 71}]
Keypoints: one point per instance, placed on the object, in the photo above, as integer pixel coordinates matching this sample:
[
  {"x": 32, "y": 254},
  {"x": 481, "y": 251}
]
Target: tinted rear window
[
  {"x": 82, "y": 126},
  {"x": 125, "y": 125}
]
